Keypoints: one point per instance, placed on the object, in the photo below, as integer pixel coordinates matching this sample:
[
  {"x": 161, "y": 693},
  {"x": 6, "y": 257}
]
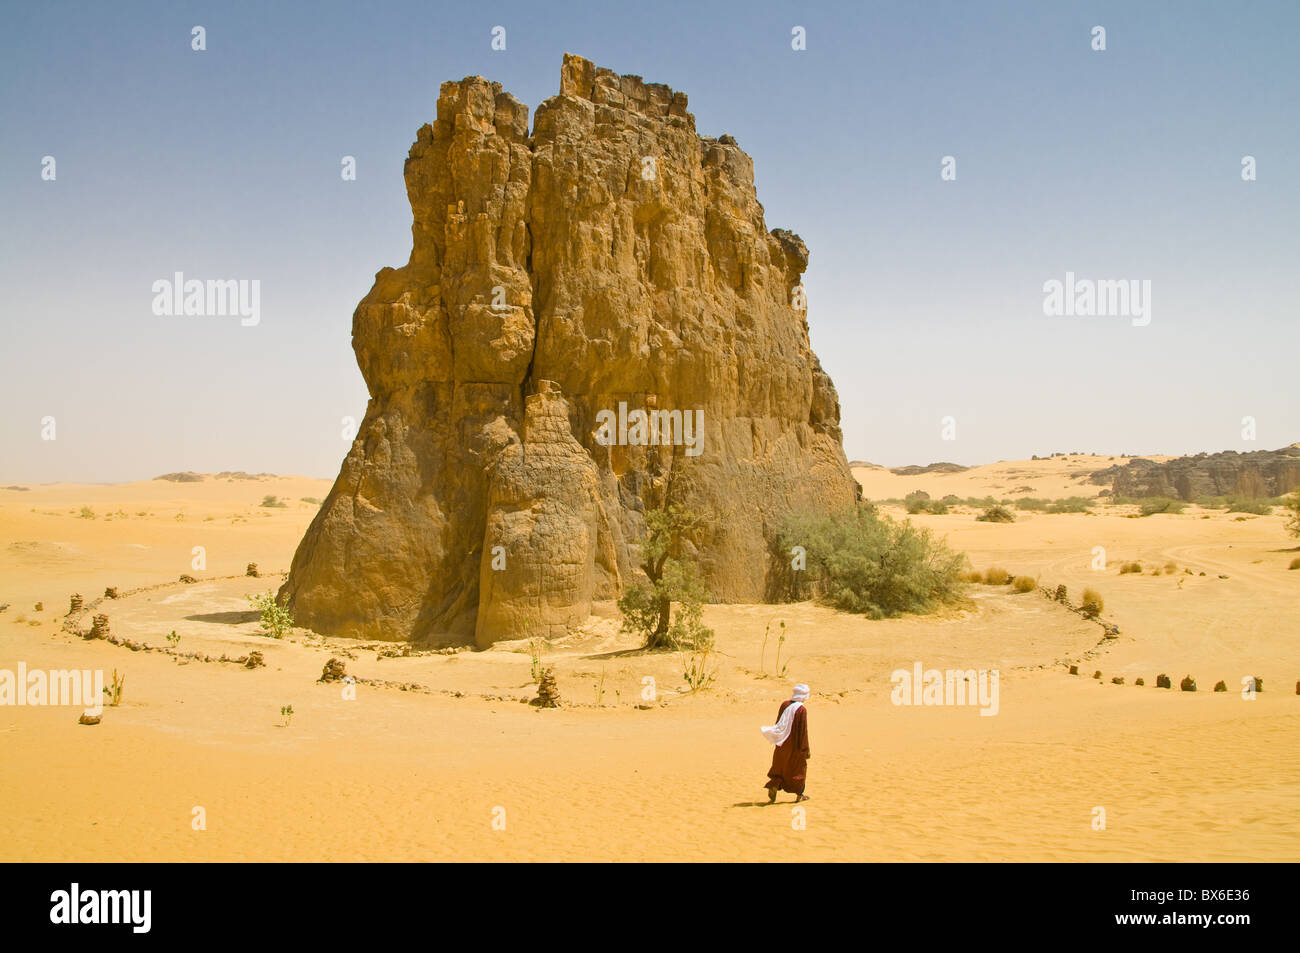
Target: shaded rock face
[
  {"x": 1259, "y": 473},
  {"x": 611, "y": 262}
]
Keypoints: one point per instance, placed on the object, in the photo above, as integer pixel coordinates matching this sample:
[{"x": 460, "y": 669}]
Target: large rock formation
[
  {"x": 611, "y": 262},
  {"x": 1258, "y": 473}
]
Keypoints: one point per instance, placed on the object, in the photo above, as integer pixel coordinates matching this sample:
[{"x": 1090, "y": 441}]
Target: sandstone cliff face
[
  {"x": 1259, "y": 473},
  {"x": 611, "y": 259}
]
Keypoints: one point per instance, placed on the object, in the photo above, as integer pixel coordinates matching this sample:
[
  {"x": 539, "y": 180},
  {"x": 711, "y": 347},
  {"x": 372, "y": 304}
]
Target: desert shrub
[
  {"x": 1256, "y": 507},
  {"x": 919, "y": 501},
  {"x": 996, "y": 576},
  {"x": 1073, "y": 504},
  {"x": 1023, "y": 584},
  {"x": 275, "y": 620},
  {"x": 997, "y": 514},
  {"x": 974, "y": 575},
  {"x": 1292, "y": 505},
  {"x": 1161, "y": 504},
  {"x": 1130, "y": 567},
  {"x": 1031, "y": 503},
  {"x": 273, "y": 501},
  {"x": 310, "y": 499},
  {"x": 916, "y": 501},
  {"x": 859, "y": 561},
  {"x": 1093, "y": 603},
  {"x": 673, "y": 576}
]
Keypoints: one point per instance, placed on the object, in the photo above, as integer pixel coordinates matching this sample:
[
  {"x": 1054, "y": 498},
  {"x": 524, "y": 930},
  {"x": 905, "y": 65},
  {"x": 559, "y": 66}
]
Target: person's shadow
[{"x": 756, "y": 803}]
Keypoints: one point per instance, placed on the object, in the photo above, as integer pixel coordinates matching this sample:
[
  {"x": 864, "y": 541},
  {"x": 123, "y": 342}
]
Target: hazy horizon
[{"x": 926, "y": 296}]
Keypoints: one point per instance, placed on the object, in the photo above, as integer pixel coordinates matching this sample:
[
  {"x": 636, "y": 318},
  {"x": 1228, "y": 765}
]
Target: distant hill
[
  {"x": 929, "y": 468},
  {"x": 189, "y": 476},
  {"x": 1255, "y": 474}
]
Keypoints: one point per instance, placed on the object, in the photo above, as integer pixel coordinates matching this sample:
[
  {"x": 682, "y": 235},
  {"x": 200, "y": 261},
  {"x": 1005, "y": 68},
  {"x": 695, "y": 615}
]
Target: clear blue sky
[{"x": 925, "y": 296}]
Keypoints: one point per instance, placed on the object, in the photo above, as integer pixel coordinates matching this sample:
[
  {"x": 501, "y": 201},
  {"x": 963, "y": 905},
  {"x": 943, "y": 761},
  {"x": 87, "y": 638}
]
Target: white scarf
[{"x": 778, "y": 733}]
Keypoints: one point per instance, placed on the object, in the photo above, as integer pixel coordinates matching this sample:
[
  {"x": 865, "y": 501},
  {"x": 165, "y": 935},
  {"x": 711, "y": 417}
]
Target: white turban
[{"x": 778, "y": 733}]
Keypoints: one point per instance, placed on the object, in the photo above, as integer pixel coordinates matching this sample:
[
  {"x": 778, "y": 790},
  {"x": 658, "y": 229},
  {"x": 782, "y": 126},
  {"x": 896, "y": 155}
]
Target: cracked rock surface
[{"x": 612, "y": 256}]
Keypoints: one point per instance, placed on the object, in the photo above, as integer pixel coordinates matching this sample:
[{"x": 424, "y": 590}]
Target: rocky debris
[
  {"x": 1097, "y": 674},
  {"x": 75, "y": 603},
  {"x": 609, "y": 263},
  {"x": 254, "y": 660},
  {"x": 88, "y": 719},
  {"x": 110, "y": 592},
  {"x": 334, "y": 671},
  {"x": 251, "y": 570},
  {"x": 1220, "y": 686},
  {"x": 1258, "y": 473},
  {"x": 1188, "y": 684},
  {"x": 1140, "y": 681},
  {"x": 1258, "y": 683},
  {"x": 1163, "y": 681},
  {"x": 1074, "y": 670},
  {"x": 187, "y": 579},
  {"x": 39, "y": 607},
  {"x": 1117, "y": 680},
  {"x": 1061, "y": 594},
  {"x": 548, "y": 690},
  {"x": 98, "y": 627},
  {"x": 1110, "y": 630}
]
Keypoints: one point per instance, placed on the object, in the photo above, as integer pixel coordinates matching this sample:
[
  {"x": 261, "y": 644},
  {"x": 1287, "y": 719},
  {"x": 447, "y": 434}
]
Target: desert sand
[{"x": 423, "y": 772}]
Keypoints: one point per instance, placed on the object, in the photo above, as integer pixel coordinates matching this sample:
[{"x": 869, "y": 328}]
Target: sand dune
[{"x": 418, "y": 773}]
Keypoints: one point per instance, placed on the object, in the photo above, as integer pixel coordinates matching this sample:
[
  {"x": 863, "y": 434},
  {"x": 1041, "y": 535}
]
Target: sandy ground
[{"x": 423, "y": 773}]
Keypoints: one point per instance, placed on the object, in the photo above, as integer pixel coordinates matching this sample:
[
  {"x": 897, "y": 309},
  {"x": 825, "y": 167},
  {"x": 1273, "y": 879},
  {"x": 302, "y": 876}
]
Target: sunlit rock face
[{"x": 594, "y": 319}]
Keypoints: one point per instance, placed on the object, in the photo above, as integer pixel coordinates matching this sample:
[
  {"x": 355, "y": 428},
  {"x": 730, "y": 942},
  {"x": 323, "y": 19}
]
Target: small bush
[
  {"x": 996, "y": 577},
  {"x": 273, "y": 501},
  {"x": 996, "y": 514},
  {"x": 1188, "y": 684},
  {"x": 1256, "y": 507},
  {"x": 974, "y": 575},
  {"x": 859, "y": 561},
  {"x": 1292, "y": 505},
  {"x": 1162, "y": 681},
  {"x": 1161, "y": 504},
  {"x": 1074, "y": 504},
  {"x": 1130, "y": 568},
  {"x": 1093, "y": 603},
  {"x": 1023, "y": 584},
  {"x": 275, "y": 621}
]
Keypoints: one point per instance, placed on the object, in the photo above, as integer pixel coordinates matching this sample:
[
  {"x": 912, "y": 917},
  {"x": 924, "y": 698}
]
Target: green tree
[{"x": 673, "y": 576}]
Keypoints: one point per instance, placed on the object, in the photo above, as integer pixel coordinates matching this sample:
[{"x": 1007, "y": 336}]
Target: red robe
[{"x": 790, "y": 759}]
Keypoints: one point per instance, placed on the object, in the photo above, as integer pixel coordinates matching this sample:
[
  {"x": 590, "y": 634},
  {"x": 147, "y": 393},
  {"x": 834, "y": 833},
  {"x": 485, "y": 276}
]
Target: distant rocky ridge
[
  {"x": 189, "y": 476},
  {"x": 929, "y": 468},
  {"x": 1254, "y": 474}
]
